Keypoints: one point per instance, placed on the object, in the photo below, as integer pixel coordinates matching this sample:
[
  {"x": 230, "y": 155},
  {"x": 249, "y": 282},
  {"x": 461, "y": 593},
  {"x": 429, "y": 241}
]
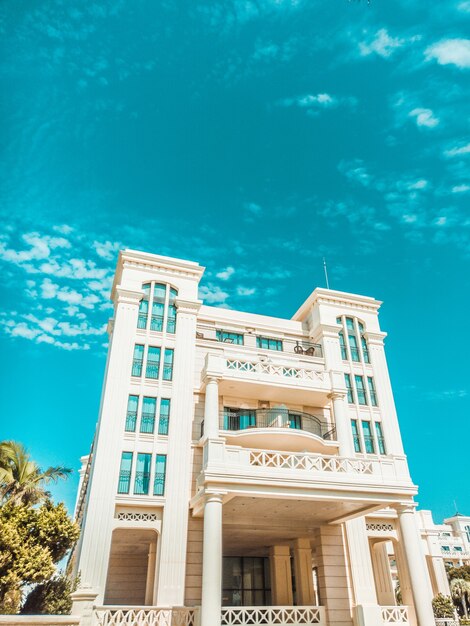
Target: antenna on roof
[{"x": 326, "y": 273}]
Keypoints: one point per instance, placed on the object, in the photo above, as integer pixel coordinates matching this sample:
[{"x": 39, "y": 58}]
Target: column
[
  {"x": 303, "y": 572},
  {"x": 440, "y": 576},
  {"x": 211, "y": 409},
  {"x": 173, "y": 541},
  {"x": 281, "y": 575},
  {"x": 151, "y": 563},
  {"x": 211, "y": 602},
  {"x": 382, "y": 574},
  {"x": 95, "y": 541},
  {"x": 342, "y": 424},
  {"x": 417, "y": 568}
]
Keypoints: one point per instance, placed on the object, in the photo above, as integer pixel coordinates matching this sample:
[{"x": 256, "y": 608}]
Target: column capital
[
  {"x": 190, "y": 307},
  {"x": 337, "y": 395},
  {"x": 215, "y": 497},
  {"x": 406, "y": 508},
  {"x": 375, "y": 339},
  {"x": 127, "y": 296}
]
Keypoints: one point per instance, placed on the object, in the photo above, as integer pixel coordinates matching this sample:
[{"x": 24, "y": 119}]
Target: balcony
[{"x": 278, "y": 428}]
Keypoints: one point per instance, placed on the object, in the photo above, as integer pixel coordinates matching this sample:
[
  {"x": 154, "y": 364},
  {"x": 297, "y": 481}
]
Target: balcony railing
[
  {"x": 144, "y": 616},
  {"x": 396, "y": 615},
  {"x": 274, "y": 615},
  {"x": 276, "y": 418},
  {"x": 147, "y": 423}
]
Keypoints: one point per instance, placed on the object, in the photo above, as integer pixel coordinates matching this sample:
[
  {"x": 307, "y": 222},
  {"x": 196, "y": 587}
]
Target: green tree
[
  {"x": 443, "y": 606},
  {"x": 51, "y": 597},
  {"x": 460, "y": 590},
  {"x": 32, "y": 541},
  {"x": 21, "y": 479},
  {"x": 459, "y": 572}
]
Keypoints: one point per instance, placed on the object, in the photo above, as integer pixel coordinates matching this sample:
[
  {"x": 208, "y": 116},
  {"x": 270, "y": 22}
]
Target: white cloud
[
  {"x": 226, "y": 273},
  {"x": 40, "y": 247},
  {"x": 419, "y": 184},
  {"x": 424, "y": 117},
  {"x": 72, "y": 297},
  {"x": 64, "y": 229},
  {"x": 246, "y": 291},
  {"x": 212, "y": 294},
  {"x": 106, "y": 250},
  {"x": 355, "y": 170},
  {"x": 382, "y": 44},
  {"x": 458, "y": 151},
  {"x": 464, "y": 6},
  {"x": 450, "y": 52},
  {"x": 315, "y": 102},
  {"x": 460, "y": 188}
]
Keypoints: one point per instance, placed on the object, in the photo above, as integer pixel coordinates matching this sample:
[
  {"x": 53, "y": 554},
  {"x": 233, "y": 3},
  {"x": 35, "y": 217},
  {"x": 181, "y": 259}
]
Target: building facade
[{"x": 246, "y": 469}]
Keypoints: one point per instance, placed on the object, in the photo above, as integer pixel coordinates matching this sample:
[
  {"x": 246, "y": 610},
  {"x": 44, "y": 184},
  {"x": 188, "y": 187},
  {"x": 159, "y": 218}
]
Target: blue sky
[{"x": 255, "y": 137}]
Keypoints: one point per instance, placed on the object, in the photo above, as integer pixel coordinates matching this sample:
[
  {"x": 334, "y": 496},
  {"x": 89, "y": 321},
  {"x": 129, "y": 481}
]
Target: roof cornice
[{"x": 342, "y": 298}]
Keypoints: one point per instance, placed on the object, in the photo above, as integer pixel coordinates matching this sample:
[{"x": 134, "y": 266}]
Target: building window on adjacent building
[
  {"x": 368, "y": 437},
  {"x": 142, "y": 474},
  {"x": 267, "y": 343},
  {"x": 446, "y": 548},
  {"x": 380, "y": 438},
  {"x": 347, "y": 380},
  {"x": 168, "y": 364},
  {"x": 158, "y": 307},
  {"x": 467, "y": 532},
  {"x": 164, "y": 416},
  {"x": 372, "y": 392},
  {"x": 125, "y": 472},
  {"x": 458, "y": 548},
  {"x": 356, "y": 437},
  {"x": 144, "y": 307},
  {"x": 160, "y": 471},
  {"x": 226, "y": 337},
  {"x": 171, "y": 319},
  {"x": 354, "y": 329},
  {"x": 137, "y": 360},
  {"x": 360, "y": 389},
  {"x": 153, "y": 362},
  {"x": 131, "y": 415},
  {"x": 147, "y": 421}
]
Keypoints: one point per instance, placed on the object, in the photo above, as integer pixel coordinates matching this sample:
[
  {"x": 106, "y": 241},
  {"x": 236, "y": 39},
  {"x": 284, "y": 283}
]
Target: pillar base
[{"x": 367, "y": 615}]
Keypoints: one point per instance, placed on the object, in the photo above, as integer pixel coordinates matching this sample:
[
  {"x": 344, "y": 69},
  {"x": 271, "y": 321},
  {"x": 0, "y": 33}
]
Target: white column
[
  {"x": 303, "y": 571},
  {"x": 417, "y": 568},
  {"x": 211, "y": 409},
  {"x": 342, "y": 423},
  {"x": 211, "y": 602},
  {"x": 382, "y": 574}
]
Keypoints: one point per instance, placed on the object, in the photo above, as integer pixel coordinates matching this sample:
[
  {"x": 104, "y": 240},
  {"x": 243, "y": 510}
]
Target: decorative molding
[
  {"x": 382, "y": 527},
  {"x": 137, "y": 516},
  {"x": 127, "y": 296},
  {"x": 188, "y": 306}
]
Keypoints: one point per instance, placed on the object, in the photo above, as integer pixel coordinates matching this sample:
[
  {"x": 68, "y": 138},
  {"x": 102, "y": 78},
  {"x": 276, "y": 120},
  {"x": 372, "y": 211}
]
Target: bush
[
  {"x": 51, "y": 597},
  {"x": 443, "y": 606}
]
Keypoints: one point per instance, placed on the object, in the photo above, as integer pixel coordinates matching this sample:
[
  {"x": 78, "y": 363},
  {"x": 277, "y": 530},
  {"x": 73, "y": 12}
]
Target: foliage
[
  {"x": 31, "y": 542},
  {"x": 21, "y": 479},
  {"x": 443, "y": 606},
  {"x": 459, "y": 572},
  {"x": 51, "y": 597},
  {"x": 460, "y": 590}
]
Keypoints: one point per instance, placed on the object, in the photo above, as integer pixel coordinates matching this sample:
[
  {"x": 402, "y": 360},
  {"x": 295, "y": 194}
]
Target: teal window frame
[
  {"x": 356, "y": 436},
  {"x": 138, "y": 360},
  {"x": 360, "y": 390},
  {"x": 142, "y": 474},
  {"x": 160, "y": 475},
  {"x": 147, "y": 418},
  {"x": 164, "y": 416},
  {"x": 372, "y": 392},
  {"x": 228, "y": 337},
  {"x": 368, "y": 437},
  {"x": 142, "y": 317},
  {"x": 353, "y": 348},
  {"x": 125, "y": 472},
  {"x": 152, "y": 367},
  {"x": 380, "y": 438},
  {"x": 171, "y": 313},
  {"x": 269, "y": 343},
  {"x": 342, "y": 344},
  {"x": 168, "y": 364},
  {"x": 349, "y": 388},
  {"x": 131, "y": 413}
]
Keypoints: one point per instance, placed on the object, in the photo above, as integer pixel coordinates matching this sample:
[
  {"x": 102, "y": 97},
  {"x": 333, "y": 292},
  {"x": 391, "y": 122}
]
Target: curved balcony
[{"x": 279, "y": 428}]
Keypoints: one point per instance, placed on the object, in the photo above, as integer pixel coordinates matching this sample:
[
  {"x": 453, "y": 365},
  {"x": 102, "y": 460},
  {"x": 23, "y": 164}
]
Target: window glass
[
  {"x": 160, "y": 472},
  {"x": 380, "y": 438},
  {"x": 227, "y": 337},
  {"x": 164, "y": 416},
  {"x": 142, "y": 474},
  {"x": 353, "y": 347},
  {"x": 368, "y": 437},
  {"x": 125, "y": 472},
  {"x": 158, "y": 307},
  {"x": 344, "y": 354},
  {"x": 153, "y": 362},
  {"x": 373, "y": 395},
  {"x": 144, "y": 307},
  {"x": 365, "y": 350},
  {"x": 137, "y": 360},
  {"x": 171, "y": 320},
  {"x": 347, "y": 380},
  {"x": 168, "y": 364},
  {"x": 267, "y": 343},
  {"x": 361, "y": 392},
  {"x": 131, "y": 416},
  {"x": 349, "y": 323},
  {"x": 356, "y": 437},
  {"x": 147, "y": 421}
]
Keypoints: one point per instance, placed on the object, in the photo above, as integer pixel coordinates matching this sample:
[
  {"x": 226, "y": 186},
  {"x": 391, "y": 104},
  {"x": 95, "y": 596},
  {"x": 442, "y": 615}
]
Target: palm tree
[
  {"x": 460, "y": 588},
  {"x": 21, "y": 479}
]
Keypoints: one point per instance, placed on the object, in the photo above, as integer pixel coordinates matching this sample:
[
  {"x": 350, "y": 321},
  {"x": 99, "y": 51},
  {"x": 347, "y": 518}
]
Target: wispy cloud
[
  {"x": 446, "y": 394},
  {"x": 424, "y": 117},
  {"x": 213, "y": 294},
  {"x": 246, "y": 291},
  {"x": 227, "y": 273},
  {"x": 383, "y": 44},
  {"x": 313, "y": 103},
  {"x": 450, "y": 52},
  {"x": 458, "y": 151},
  {"x": 460, "y": 188}
]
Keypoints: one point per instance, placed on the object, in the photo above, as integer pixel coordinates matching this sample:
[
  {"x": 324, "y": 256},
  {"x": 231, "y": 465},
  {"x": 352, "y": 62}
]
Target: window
[
  {"x": 144, "y": 307},
  {"x": 467, "y": 532},
  {"x": 147, "y": 421},
  {"x": 239, "y": 419},
  {"x": 353, "y": 348},
  {"x": 160, "y": 471},
  {"x": 458, "y": 548},
  {"x": 131, "y": 416},
  {"x": 295, "y": 421},
  {"x": 267, "y": 343},
  {"x": 226, "y": 337},
  {"x": 164, "y": 417},
  {"x": 355, "y": 331},
  {"x": 171, "y": 319},
  {"x": 361, "y": 392},
  {"x": 356, "y": 437},
  {"x": 137, "y": 360},
  {"x": 142, "y": 474},
  {"x": 365, "y": 350},
  {"x": 347, "y": 380},
  {"x": 158, "y": 307},
  {"x": 344, "y": 353},
  {"x": 168, "y": 364},
  {"x": 368, "y": 438},
  {"x": 372, "y": 394},
  {"x": 153, "y": 362},
  {"x": 445, "y": 548},
  {"x": 246, "y": 581},
  {"x": 125, "y": 472},
  {"x": 380, "y": 438}
]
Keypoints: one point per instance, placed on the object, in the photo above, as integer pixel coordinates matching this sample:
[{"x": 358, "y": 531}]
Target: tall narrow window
[
  {"x": 125, "y": 472},
  {"x": 380, "y": 438},
  {"x": 349, "y": 323},
  {"x": 147, "y": 421},
  {"x": 344, "y": 354},
  {"x": 153, "y": 362},
  {"x": 365, "y": 350},
  {"x": 137, "y": 360},
  {"x": 158, "y": 307},
  {"x": 268, "y": 343},
  {"x": 356, "y": 437},
  {"x": 131, "y": 416},
  {"x": 353, "y": 347},
  {"x": 372, "y": 394},
  {"x": 347, "y": 380},
  {"x": 168, "y": 364},
  {"x": 142, "y": 474},
  {"x": 171, "y": 319},
  {"x": 160, "y": 471},
  {"x": 144, "y": 307},
  {"x": 368, "y": 437},
  {"x": 361, "y": 392},
  {"x": 164, "y": 416},
  {"x": 467, "y": 532}
]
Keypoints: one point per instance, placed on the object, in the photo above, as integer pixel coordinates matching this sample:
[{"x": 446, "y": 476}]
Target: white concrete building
[{"x": 248, "y": 465}]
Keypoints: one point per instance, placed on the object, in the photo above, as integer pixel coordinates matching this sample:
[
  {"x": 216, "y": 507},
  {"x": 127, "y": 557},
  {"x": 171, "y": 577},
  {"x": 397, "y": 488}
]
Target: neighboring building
[{"x": 248, "y": 465}]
